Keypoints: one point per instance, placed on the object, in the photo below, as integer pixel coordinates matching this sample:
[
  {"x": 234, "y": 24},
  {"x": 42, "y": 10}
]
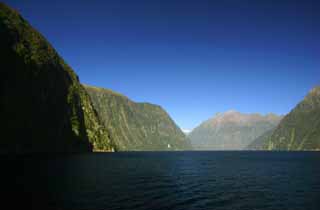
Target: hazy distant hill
[
  {"x": 136, "y": 126},
  {"x": 258, "y": 143},
  {"x": 300, "y": 129},
  {"x": 43, "y": 107},
  {"x": 231, "y": 130}
]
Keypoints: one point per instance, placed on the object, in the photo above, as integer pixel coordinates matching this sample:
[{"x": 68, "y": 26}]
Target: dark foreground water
[{"x": 164, "y": 180}]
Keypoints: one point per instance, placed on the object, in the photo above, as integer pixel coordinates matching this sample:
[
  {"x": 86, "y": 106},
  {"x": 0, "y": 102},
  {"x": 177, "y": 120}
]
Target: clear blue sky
[{"x": 194, "y": 58}]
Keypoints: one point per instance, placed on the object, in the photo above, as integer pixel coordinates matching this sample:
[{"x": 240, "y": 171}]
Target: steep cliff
[
  {"x": 43, "y": 106},
  {"x": 136, "y": 126},
  {"x": 300, "y": 129}
]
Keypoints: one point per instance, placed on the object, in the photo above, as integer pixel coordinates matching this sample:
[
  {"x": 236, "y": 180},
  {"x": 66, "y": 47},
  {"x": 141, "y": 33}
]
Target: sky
[{"x": 192, "y": 57}]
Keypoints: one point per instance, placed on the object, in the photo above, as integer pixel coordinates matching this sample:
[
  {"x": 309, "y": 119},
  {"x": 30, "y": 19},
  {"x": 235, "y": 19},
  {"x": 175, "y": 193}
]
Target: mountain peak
[
  {"x": 315, "y": 91},
  {"x": 231, "y": 111},
  {"x": 232, "y": 130},
  {"x": 233, "y": 116}
]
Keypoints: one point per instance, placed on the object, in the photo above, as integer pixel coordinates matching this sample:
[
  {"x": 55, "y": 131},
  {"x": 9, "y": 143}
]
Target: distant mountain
[
  {"x": 231, "y": 130},
  {"x": 43, "y": 107},
  {"x": 258, "y": 143},
  {"x": 136, "y": 126},
  {"x": 298, "y": 130}
]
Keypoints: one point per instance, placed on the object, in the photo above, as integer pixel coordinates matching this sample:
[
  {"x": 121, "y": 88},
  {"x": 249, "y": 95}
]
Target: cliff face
[
  {"x": 300, "y": 129},
  {"x": 43, "y": 106},
  {"x": 136, "y": 126},
  {"x": 231, "y": 130}
]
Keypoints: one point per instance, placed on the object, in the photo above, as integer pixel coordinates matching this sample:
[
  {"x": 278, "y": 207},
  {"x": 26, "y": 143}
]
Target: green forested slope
[
  {"x": 43, "y": 106},
  {"x": 136, "y": 126},
  {"x": 300, "y": 129}
]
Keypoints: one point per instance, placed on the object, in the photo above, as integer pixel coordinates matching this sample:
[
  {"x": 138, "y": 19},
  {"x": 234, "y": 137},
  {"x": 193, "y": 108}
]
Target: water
[{"x": 164, "y": 180}]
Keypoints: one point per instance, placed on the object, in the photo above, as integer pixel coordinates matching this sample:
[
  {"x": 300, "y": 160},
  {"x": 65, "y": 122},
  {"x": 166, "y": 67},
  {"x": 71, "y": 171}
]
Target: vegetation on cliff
[
  {"x": 136, "y": 126},
  {"x": 43, "y": 106},
  {"x": 300, "y": 129}
]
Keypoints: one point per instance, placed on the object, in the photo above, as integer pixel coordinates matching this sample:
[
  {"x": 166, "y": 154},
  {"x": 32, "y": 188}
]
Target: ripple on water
[{"x": 175, "y": 181}]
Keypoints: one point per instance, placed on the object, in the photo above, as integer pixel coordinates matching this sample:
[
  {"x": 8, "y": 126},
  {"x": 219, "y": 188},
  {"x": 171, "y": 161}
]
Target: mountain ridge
[
  {"x": 299, "y": 129},
  {"x": 138, "y": 125},
  {"x": 45, "y": 109},
  {"x": 231, "y": 130}
]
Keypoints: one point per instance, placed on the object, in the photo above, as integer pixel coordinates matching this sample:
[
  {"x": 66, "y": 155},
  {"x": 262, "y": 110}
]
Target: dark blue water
[{"x": 165, "y": 180}]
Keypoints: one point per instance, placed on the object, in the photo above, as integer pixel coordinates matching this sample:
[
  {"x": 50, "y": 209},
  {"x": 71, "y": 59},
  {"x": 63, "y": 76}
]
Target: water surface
[{"x": 165, "y": 180}]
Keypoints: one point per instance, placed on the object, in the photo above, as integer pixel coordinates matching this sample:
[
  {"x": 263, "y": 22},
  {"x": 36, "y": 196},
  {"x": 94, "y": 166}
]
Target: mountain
[
  {"x": 298, "y": 130},
  {"x": 258, "y": 143},
  {"x": 136, "y": 126},
  {"x": 231, "y": 130},
  {"x": 43, "y": 107}
]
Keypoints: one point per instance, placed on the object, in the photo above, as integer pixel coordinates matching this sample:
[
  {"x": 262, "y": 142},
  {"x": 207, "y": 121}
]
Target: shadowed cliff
[{"x": 43, "y": 106}]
